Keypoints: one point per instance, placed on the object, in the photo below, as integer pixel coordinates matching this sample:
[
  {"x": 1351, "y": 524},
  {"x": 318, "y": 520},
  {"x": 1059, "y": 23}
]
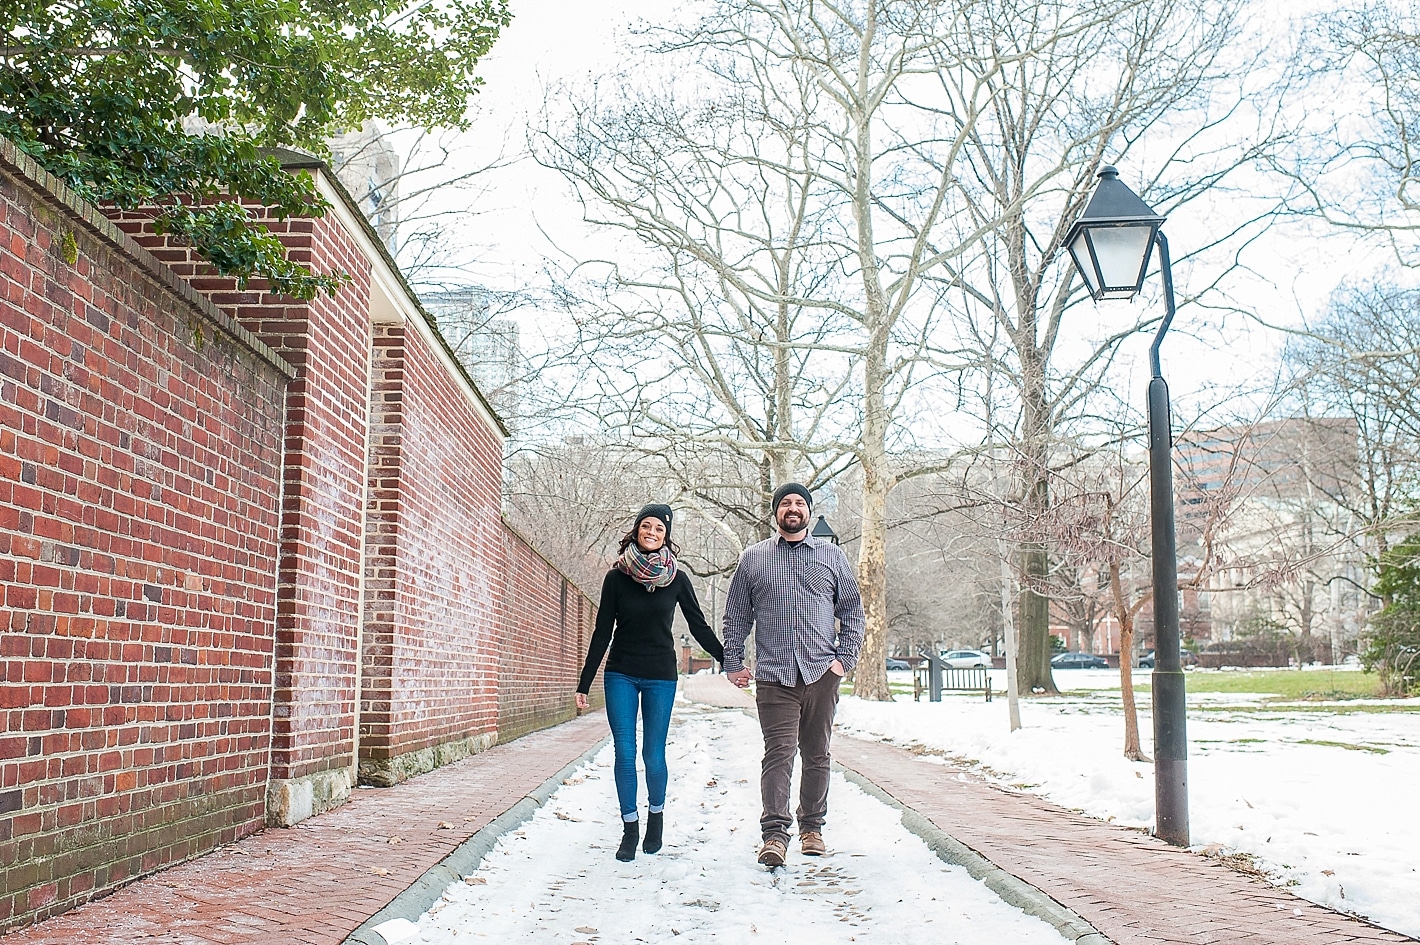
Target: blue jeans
[{"x": 655, "y": 698}]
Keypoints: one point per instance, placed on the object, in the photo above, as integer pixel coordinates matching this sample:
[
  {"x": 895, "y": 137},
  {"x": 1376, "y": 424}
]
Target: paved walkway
[
  {"x": 1131, "y": 887},
  {"x": 317, "y": 882}
]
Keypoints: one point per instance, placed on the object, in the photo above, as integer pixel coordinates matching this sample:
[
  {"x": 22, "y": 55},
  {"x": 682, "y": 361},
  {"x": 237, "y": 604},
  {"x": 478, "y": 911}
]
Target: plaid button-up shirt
[{"x": 802, "y": 600}]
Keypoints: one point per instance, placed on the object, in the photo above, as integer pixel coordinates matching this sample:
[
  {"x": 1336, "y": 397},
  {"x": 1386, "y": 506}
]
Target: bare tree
[
  {"x": 420, "y": 190},
  {"x": 798, "y": 202},
  {"x": 1364, "y": 181},
  {"x": 1355, "y": 372},
  {"x": 1177, "y": 88},
  {"x": 1357, "y": 368}
]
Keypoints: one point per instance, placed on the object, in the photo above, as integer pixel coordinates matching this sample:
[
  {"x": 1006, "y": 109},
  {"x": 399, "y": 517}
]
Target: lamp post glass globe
[{"x": 1113, "y": 239}]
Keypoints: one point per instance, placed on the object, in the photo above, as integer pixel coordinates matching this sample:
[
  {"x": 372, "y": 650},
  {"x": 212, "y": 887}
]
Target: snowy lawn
[
  {"x": 1317, "y": 794},
  {"x": 555, "y": 880}
]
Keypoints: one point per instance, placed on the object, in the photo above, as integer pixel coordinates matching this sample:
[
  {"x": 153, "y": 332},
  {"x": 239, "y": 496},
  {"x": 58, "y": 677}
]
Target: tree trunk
[
  {"x": 870, "y": 679},
  {"x": 1132, "y": 750},
  {"x": 1033, "y": 661},
  {"x": 1013, "y": 692},
  {"x": 1306, "y": 646}
]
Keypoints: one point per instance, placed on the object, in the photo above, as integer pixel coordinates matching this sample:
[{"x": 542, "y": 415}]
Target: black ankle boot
[
  {"x": 654, "y": 822},
  {"x": 630, "y": 833}
]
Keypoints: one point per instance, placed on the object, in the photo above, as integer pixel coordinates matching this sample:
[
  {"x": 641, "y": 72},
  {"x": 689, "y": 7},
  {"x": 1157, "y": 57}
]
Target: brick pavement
[
  {"x": 1131, "y": 887},
  {"x": 315, "y": 883}
]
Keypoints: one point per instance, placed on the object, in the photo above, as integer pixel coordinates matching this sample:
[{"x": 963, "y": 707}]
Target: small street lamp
[
  {"x": 822, "y": 530},
  {"x": 685, "y": 649},
  {"x": 1111, "y": 244}
]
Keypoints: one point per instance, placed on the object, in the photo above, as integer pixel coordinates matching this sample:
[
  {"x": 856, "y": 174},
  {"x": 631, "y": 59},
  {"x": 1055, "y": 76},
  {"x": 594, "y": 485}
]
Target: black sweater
[{"x": 642, "y": 644}]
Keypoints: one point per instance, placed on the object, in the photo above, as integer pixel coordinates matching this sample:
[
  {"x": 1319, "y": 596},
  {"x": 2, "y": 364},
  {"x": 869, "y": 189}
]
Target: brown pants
[{"x": 795, "y": 719}]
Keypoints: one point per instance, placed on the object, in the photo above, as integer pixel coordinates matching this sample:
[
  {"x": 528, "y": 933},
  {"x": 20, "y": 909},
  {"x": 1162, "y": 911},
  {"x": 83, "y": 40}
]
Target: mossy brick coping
[{"x": 23, "y": 167}]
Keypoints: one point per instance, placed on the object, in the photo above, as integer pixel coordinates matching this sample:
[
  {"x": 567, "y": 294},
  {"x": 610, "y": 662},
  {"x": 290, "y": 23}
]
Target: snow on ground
[
  {"x": 556, "y": 879},
  {"x": 1321, "y": 796}
]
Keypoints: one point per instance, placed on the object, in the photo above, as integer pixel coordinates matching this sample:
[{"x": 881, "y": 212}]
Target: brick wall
[
  {"x": 433, "y": 565},
  {"x": 322, "y": 520},
  {"x": 186, "y": 544},
  {"x": 140, "y": 462},
  {"x": 547, "y": 625},
  {"x": 327, "y": 340}
]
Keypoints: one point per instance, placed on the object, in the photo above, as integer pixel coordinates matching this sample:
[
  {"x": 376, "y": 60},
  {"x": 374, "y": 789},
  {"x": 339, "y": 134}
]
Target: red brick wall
[
  {"x": 183, "y": 549},
  {"x": 468, "y": 631},
  {"x": 327, "y": 340},
  {"x": 322, "y": 526},
  {"x": 547, "y": 624},
  {"x": 433, "y": 562},
  {"x": 140, "y": 461}
]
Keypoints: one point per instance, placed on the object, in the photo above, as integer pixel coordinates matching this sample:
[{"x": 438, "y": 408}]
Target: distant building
[
  {"x": 369, "y": 168},
  {"x": 486, "y": 345},
  {"x": 1273, "y": 496}
]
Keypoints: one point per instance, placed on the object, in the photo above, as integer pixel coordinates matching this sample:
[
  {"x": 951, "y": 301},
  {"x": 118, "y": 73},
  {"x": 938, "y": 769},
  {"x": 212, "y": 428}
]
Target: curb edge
[
  {"x": 1013, "y": 890},
  {"x": 426, "y": 890}
]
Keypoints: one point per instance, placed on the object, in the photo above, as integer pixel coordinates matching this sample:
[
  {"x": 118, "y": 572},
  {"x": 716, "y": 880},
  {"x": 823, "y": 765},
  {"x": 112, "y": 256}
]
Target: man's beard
[{"x": 800, "y": 523}]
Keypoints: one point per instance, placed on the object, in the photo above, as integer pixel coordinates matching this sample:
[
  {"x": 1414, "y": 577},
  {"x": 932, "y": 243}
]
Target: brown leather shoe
[
  {"x": 811, "y": 843},
  {"x": 773, "y": 852}
]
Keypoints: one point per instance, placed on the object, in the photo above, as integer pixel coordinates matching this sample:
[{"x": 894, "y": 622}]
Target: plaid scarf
[{"x": 652, "y": 570}]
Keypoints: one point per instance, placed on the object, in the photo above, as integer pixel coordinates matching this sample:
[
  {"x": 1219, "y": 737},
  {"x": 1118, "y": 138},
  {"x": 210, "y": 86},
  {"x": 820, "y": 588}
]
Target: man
[{"x": 800, "y": 596}]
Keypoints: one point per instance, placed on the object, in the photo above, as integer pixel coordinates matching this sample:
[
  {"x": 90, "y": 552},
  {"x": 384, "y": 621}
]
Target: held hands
[
  {"x": 582, "y": 700},
  {"x": 741, "y": 678}
]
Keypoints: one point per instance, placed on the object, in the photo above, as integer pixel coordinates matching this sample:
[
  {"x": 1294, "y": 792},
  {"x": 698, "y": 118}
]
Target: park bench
[{"x": 932, "y": 677}]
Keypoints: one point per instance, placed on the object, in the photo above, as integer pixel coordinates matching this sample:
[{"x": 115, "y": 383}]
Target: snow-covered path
[{"x": 555, "y": 880}]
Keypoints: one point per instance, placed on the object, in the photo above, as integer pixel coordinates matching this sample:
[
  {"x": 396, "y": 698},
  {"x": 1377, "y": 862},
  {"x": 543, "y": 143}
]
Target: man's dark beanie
[
  {"x": 791, "y": 488},
  {"x": 654, "y": 510}
]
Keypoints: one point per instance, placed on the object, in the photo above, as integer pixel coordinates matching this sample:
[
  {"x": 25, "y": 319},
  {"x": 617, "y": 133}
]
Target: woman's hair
[{"x": 630, "y": 536}]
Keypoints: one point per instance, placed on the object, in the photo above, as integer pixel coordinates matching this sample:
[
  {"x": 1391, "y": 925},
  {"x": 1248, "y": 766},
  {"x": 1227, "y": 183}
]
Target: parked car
[
  {"x": 1078, "y": 661},
  {"x": 966, "y": 659},
  {"x": 1185, "y": 657},
  {"x": 896, "y": 664}
]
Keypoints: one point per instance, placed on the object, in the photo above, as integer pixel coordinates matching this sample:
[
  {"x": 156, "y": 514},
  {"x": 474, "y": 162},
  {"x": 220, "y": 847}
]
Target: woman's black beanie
[{"x": 654, "y": 510}]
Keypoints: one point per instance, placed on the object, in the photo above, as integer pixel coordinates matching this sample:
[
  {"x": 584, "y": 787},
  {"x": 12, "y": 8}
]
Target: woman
[{"x": 639, "y": 597}]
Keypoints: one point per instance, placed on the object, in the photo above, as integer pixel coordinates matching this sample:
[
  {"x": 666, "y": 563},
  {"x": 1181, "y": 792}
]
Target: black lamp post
[
  {"x": 1111, "y": 244},
  {"x": 822, "y": 530}
]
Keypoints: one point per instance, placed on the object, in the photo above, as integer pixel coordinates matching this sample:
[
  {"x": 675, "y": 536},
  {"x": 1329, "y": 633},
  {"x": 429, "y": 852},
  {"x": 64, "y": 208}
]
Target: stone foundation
[
  {"x": 290, "y": 801},
  {"x": 387, "y": 772}
]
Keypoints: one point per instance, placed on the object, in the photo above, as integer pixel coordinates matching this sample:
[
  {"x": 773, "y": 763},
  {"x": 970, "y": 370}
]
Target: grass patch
[
  {"x": 1292, "y": 685},
  {"x": 1331, "y": 708},
  {"x": 1347, "y": 745}
]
